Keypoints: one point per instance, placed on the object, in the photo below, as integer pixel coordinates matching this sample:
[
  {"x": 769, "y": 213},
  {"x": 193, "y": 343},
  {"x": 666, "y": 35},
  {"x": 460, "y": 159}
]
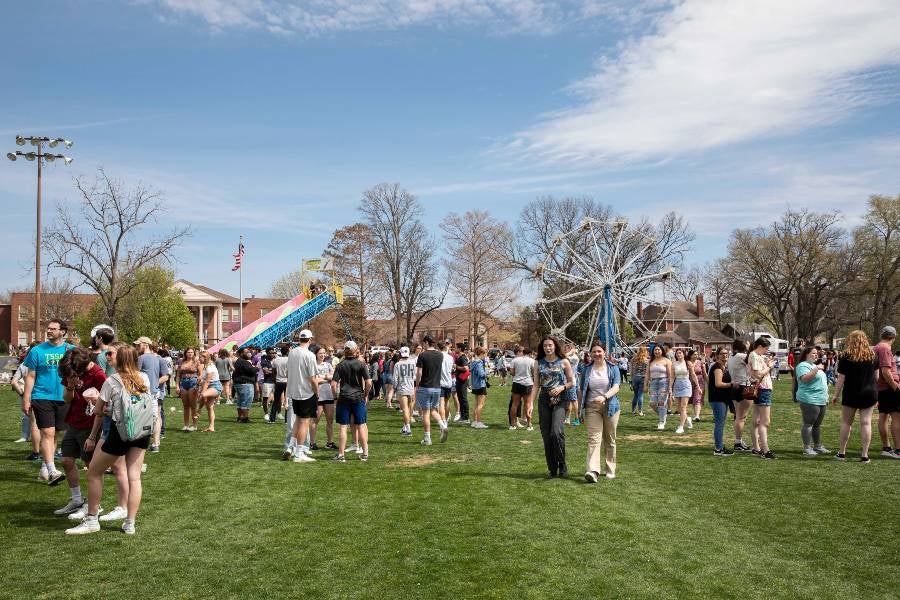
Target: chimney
[
  {"x": 699, "y": 305},
  {"x": 640, "y": 311}
]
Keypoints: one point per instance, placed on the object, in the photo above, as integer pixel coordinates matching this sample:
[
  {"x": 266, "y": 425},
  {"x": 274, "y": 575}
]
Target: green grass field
[{"x": 223, "y": 517}]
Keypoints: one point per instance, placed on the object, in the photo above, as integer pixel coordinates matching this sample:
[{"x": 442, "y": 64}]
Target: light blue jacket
[
  {"x": 479, "y": 374},
  {"x": 615, "y": 378}
]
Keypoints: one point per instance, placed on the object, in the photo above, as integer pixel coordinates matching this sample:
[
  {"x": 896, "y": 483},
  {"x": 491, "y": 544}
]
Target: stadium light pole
[{"x": 40, "y": 156}]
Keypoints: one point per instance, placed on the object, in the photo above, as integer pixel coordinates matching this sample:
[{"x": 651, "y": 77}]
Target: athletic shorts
[
  {"x": 307, "y": 408},
  {"x": 116, "y": 446},
  {"x": 428, "y": 398},
  {"x": 888, "y": 401},
  {"x": 73, "y": 444},
  {"x": 343, "y": 411},
  {"x": 446, "y": 392},
  {"x": 480, "y": 392},
  {"x": 522, "y": 389},
  {"x": 268, "y": 389},
  {"x": 764, "y": 398},
  {"x": 48, "y": 413},
  {"x": 326, "y": 401}
]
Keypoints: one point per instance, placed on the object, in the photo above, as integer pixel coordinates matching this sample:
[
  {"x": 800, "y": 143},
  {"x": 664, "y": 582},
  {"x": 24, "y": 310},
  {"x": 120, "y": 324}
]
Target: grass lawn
[{"x": 223, "y": 517}]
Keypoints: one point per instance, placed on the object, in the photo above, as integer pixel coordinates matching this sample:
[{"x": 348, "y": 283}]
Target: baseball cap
[
  {"x": 99, "y": 327},
  {"x": 404, "y": 352},
  {"x": 428, "y": 339},
  {"x": 143, "y": 340},
  {"x": 889, "y": 331},
  {"x": 306, "y": 334},
  {"x": 350, "y": 345}
]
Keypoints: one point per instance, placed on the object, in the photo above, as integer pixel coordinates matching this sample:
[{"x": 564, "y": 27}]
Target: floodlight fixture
[
  {"x": 30, "y": 156},
  {"x": 20, "y": 140},
  {"x": 11, "y": 156}
]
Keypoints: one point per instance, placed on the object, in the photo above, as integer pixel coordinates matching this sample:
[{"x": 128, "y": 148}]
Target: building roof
[
  {"x": 672, "y": 338},
  {"x": 195, "y": 292},
  {"x": 701, "y": 332},
  {"x": 676, "y": 311}
]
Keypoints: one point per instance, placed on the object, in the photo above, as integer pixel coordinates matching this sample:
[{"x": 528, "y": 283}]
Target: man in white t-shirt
[
  {"x": 446, "y": 380},
  {"x": 522, "y": 388},
  {"x": 405, "y": 387},
  {"x": 302, "y": 384}
]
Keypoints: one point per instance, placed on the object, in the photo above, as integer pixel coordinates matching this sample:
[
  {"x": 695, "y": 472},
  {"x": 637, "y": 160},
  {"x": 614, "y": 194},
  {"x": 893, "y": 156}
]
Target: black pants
[
  {"x": 462, "y": 394},
  {"x": 553, "y": 433},
  {"x": 280, "y": 389}
]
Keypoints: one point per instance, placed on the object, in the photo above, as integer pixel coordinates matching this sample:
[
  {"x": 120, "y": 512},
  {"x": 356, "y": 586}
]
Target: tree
[
  {"x": 476, "y": 267},
  {"x": 877, "y": 243},
  {"x": 103, "y": 246},
  {"x": 59, "y": 301},
  {"x": 352, "y": 250},
  {"x": 404, "y": 261},
  {"x": 717, "y": 287},
  {"x": 155, "y": 308},
  {"x": 687, "y": 285},
  {"x": 287, "y": 286}
]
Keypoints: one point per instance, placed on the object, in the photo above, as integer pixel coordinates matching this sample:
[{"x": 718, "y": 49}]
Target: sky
[{"x": 269, "y": 118}]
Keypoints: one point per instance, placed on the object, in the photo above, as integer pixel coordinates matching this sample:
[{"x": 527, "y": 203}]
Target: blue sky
[{"x": 268, "y": 118}]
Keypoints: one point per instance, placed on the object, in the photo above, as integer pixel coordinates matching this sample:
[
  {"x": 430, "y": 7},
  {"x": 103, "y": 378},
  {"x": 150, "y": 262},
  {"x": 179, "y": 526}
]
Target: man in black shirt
[
  {"x": 351, "y": 384},
  {"x": 428, "y": 389}
]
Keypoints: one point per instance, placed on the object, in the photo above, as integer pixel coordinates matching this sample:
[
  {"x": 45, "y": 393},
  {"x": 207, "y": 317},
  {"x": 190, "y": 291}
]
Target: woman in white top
[
  {"x": 683, "y": 389},
  {"x": 325, "y": 370},
  {"x": 210, "y": 387},
  {"x": 599, "y": 388},
  {"x": 759, "y": 365},
  {"x": 522, "y": 389},
  {"x": 737, "y": 371}
]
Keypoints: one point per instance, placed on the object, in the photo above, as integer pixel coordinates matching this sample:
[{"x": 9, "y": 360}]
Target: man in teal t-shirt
[{"x": 44, "y": 392}]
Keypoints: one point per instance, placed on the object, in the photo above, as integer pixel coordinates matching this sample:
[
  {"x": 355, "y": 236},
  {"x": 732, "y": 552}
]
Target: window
[
  {"x": 226, "y": 315},
  {"x": 262, "y": 312},
  {"x": 25, "y": 312},
  {"x": 23, "y": 338}
]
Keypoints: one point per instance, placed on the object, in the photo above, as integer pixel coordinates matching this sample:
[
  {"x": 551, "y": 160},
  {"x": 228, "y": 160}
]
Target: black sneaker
[
  {"x": 331, "y": 446},
  {"x": 339, "y": 458},
  {"x": 33, "y": 456},
  {"x": 755, "y": 451},
  {"x": 840, "y": 456},
  {"x": 314, "y": 446},
  {"x": 56, "y": 478},
  {"x": 723, "y": 452},
  {"x": 769, "y": 455},
  {"x": 864, "y": 460},
  {"x": 741, "y": 447}
]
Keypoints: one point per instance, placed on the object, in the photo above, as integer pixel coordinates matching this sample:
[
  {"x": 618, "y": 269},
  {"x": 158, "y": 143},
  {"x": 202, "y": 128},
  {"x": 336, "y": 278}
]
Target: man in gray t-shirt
[{"x": 302, "y": 383}]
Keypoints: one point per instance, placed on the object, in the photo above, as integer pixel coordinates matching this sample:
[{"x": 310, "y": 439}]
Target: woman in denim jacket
[{"x": 599, "y": 386}]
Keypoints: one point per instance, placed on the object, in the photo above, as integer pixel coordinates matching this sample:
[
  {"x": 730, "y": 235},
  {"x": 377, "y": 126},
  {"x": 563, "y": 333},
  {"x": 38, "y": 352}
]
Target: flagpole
[{"x": 241, "y": 276}]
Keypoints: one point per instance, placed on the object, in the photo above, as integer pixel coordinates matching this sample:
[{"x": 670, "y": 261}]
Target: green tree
[{"x": 154, "y": 308}]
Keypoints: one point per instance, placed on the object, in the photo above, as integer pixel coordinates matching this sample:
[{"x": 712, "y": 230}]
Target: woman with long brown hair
[
  {"x": 188, "y": 390},
  {"x": 661, "y": 377},
  {"x": 554, "y": 376},
  {"x": 856, "y": 388},
  {"x": 638, "y": 373},
  {"x": 127, "y": 380}
]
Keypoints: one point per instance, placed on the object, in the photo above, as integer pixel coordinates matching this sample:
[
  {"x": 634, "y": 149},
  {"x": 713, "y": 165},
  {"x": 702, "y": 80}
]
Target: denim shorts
[
  {"x": 244, "y": 394},
  {"x": 764, "y": 398},
  {"x": 682, "y": 388},
  {"x": 344, "y": 410},
  {"x": 216, "y": 385},
  {"x": 188, "y": 383},
  {"x": 428, "y": 398},
  {"x": 659, "y": 390}
]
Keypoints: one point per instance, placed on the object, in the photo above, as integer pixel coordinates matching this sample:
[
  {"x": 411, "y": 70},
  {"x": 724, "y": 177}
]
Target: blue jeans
[
  {"x": 637, "y": 403},
  {"x": 244, "y": 393},
  {"x": 720, "y": 413}
]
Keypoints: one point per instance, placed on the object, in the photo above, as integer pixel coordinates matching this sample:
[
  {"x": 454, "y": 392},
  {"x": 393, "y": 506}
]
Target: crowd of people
[{"x": 104, "y": 404}]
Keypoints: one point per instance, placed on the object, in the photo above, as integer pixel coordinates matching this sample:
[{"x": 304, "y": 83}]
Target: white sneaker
[
  {"x": 143, "y": 467},
  {"x": 822, "y": 450},
  {"x": 21, "y": 440},
  {"x": 568, "y": 421},
  {"x": 358, "y": 450},
  {"x": 265, "y": 417},
  {"x": 689, "y": 422},
  {"x": 43, "y": 474},
  {"x": 302, "y": 457},
  {"x": 444, "y": 432},
  {"x": 116, "y": 514},
  {"x": 457, "y": 418},
  {"x": 809, "y": 452},
  {"x": 679, "y": 429},
  {"x": 426, "y": 441},
  {"x": 82, "y": 512},
  {"x": 660, "y": 426},
  {"x": 69, "y": 508},
  {"x": 512, "y": 428},
  {"x": 87, "y": 525},
  {"x": 351, "y": 448},
  {"x": 529, "y": 428},
  {"x": 610, "y": 475},
  {"x": 185, "y": 428},
  {"x": 128, "y": 527},
  {"x": 480, "y": 425}
]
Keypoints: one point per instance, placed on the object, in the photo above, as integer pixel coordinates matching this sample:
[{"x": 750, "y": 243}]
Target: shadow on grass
[
  {"x": 35, "y": 514},
  {"x": 521, "y": 476}
]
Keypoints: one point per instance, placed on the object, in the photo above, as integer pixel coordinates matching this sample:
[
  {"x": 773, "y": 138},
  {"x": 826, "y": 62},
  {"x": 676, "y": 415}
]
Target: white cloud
[
  {"x": 723, "y": 72},
  {"x": 312, "y": 17}
]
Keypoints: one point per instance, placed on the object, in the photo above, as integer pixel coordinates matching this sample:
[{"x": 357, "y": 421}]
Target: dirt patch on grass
[
  {"x": 524, "y": 441},
  {"x": 684, "y": 440},
  {"x": 425, "y": 460}
]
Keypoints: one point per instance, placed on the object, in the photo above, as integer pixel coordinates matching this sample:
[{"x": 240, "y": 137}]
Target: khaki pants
[{"x": 601, "y": 437}]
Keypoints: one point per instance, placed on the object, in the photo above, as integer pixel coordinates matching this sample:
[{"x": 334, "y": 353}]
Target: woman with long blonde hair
[
  {"x": 856, "y": 387},
  {"x": 210, "y": 388},
  {"x": 129, "y": 379}
]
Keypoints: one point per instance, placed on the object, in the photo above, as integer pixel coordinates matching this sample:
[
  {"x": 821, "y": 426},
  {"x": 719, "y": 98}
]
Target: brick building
[{"x": 684, "y": 324}]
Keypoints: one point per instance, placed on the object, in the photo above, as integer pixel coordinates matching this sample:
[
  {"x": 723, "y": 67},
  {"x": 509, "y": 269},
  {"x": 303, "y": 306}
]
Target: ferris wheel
[{"x": 600, "y": 270}]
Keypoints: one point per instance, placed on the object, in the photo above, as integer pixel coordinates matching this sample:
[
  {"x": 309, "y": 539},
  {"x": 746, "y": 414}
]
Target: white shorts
[{"x": 268, "y": 390}]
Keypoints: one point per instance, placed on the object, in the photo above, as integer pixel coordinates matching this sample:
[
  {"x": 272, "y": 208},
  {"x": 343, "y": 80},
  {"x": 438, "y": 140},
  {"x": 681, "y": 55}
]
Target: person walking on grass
[
  {"x": 303, "y": 383},
  {"x": 856, "y": 387},
  {"x": 697, "y": 363},
  {"x": 79, "y": 374},
  {"x": 351, "y": 383},
  {"x": 244, "y": 379},
  {"x": 721, "y": 398},
  {"x": 662, "y": 377},
  {"x": 461, "y": 387},
  {"x": 638, "y": 375},
  {"x": 573, "y": 410},
  {"x": 812, "y": 395},
  {"x": 479, "y": 380},
  {"x": 405, "y": 387},
  {"x": 188, "y": 371},
  {"x": 281, "y": 376},
  {"x": 128, "y": 380},
  {"x": 522, "y": 389},
  {"x": 447, "y": 381},
  {"x": 156, "y": 370},
  {"x": 44, "y": 394},
  {"x": 600, "y": 381},
  {"x": 225, "y": 368},
  {"x": 888, "y": 387},
  {"x": 737, "y": 371},
  {"x": 210, "y": 388},
  {"x": 268, "y": 380},
  {"x": 683, "y": 389},
  {"x": 429, "y": 368},
  {"x": 555, "y": 375},
  {"x": 759, "y": 365}
]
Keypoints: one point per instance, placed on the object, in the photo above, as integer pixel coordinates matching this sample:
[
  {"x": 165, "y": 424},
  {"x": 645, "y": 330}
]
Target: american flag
[{"x": 238, "y": 257}]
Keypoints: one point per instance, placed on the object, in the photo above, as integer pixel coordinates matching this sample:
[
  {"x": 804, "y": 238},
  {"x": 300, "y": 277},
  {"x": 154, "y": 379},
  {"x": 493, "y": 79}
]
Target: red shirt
[
  {"x": 885, "y": 359},
  {"x": 77, "y": 417}
]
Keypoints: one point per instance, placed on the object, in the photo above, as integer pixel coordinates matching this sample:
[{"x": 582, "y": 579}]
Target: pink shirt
[{"x": 885, "y": 358}]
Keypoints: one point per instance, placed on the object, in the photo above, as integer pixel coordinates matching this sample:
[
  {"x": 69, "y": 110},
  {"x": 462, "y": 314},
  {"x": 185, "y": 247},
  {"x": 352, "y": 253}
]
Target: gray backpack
[{"x": 138, "y": 413}]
